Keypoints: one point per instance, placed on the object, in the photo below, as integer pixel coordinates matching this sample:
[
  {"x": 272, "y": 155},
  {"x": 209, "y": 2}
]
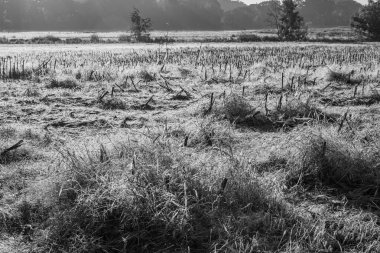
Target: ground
[{"x": 265, "y": 147}]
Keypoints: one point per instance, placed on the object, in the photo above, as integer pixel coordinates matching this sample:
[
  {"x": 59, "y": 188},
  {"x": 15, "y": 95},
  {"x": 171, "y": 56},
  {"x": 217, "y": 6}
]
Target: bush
[
  {"x": 46, "y": 40},
  {"x": 94, "y": 38},
  {"x": 248, "y": 38},
  {"x": 124, "y": 38}
]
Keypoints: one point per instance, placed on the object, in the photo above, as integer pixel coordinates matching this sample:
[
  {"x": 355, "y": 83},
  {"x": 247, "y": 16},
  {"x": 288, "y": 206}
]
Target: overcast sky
[{"x": 258, "y": 1}]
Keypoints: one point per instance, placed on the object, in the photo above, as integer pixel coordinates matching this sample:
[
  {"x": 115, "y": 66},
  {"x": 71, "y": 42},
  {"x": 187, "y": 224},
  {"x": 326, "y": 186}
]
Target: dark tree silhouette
[
  {"x": 367, "y": 21},
  {"x": 291, "y": 25},
  {"x": 140, "y": 26}
]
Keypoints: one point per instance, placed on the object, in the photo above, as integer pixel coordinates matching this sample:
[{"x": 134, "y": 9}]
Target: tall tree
[
  {"x": 367, "y": 21},
  {"x": 140, "y": 25},
  {"x": 274, "y": 14},
  {"x": 291, "y": 24}
]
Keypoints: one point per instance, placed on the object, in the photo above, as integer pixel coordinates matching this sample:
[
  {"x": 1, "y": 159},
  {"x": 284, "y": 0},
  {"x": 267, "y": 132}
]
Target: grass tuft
[
  {"x": 147, "y": 77},
  {"x": 113, "y": 104},
  {"x": 63, "y": 83},
  {"x": 328, "y": 159}
]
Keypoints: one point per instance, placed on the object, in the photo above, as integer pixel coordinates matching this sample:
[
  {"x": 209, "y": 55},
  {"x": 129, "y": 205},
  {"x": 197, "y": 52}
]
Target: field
[
  {"x": 337, "y": 33},
  {"x": 266, "y": 147}
]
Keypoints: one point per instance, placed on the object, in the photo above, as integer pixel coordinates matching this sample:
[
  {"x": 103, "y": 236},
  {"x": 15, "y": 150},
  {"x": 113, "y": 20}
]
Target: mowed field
[{"x": 265, "y": 147}]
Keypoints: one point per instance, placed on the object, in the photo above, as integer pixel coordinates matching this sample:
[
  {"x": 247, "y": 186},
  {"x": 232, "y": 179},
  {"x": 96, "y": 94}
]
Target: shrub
[
  {"x": 46, "y": 40},
  {"x": 124, "y": 38},
  {"x": 248, "y": 38}
]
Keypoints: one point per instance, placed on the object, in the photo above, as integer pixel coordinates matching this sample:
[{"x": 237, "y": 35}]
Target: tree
[
  {"x": 140, "y": 25},
  {"x": 291, "y": 25},
  {"x": 367, "y": 21},
  {"x": 274, "y": 14}
]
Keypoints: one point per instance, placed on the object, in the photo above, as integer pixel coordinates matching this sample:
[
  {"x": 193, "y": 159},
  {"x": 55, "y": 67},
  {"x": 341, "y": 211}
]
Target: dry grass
[
  {"x": 329, "y": 159},
  {"x": 135, "y": 197},
  {"x": 113, "y": 103},
  {"x": 130, "y": 152},
  {"x": 63, "y": 83}
]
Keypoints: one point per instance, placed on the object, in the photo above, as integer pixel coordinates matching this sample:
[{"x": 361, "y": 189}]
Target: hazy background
[
  {"x": 110, "y": 15},
  {"x": 259, "y": 1}
]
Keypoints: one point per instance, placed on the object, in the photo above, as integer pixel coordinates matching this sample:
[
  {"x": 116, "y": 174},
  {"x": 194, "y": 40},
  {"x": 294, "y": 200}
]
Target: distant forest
[{"x": 24, "y": 15}]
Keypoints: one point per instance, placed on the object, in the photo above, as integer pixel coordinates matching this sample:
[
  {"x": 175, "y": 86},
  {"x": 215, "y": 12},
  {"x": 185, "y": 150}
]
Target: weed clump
[
  {"x": 339, "y": 77},
  {"x": 237, "y": 110},
  {"x": 63, "y": 83},
  {"x": 31, "y": 92},
  {"x": 296, "y": 112},
  {"x": 327, "y": 159},
  {"x": 147, "y": 77},
  {"x": 113, "y": 104},
  {"x": 212, "y": 133}
]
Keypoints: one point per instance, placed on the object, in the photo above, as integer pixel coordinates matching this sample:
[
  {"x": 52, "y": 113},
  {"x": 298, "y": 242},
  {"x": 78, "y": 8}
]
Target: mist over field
[{"x": 23, "y": 15}]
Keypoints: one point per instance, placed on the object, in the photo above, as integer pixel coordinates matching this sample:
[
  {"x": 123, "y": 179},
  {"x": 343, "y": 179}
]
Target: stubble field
[{"x": 190, "y": 148}]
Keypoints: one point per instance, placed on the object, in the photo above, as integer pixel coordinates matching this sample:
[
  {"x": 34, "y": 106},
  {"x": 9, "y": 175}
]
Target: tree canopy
[
  {"x": 367, "y": 21},
  {"x": 290, "y": 25}
]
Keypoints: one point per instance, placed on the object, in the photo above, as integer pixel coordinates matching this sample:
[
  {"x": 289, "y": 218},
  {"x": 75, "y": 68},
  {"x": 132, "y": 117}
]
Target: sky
[{"x": 258, "y": 1}]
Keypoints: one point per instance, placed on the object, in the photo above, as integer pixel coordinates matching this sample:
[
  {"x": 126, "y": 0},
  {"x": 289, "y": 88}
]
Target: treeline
[
  {"x": 317, "y": 13},
  {"x": 18, "y": 15}
]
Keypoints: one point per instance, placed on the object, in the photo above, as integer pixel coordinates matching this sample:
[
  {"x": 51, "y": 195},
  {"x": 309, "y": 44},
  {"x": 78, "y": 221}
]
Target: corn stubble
[{"x": 216, "y": 148}]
